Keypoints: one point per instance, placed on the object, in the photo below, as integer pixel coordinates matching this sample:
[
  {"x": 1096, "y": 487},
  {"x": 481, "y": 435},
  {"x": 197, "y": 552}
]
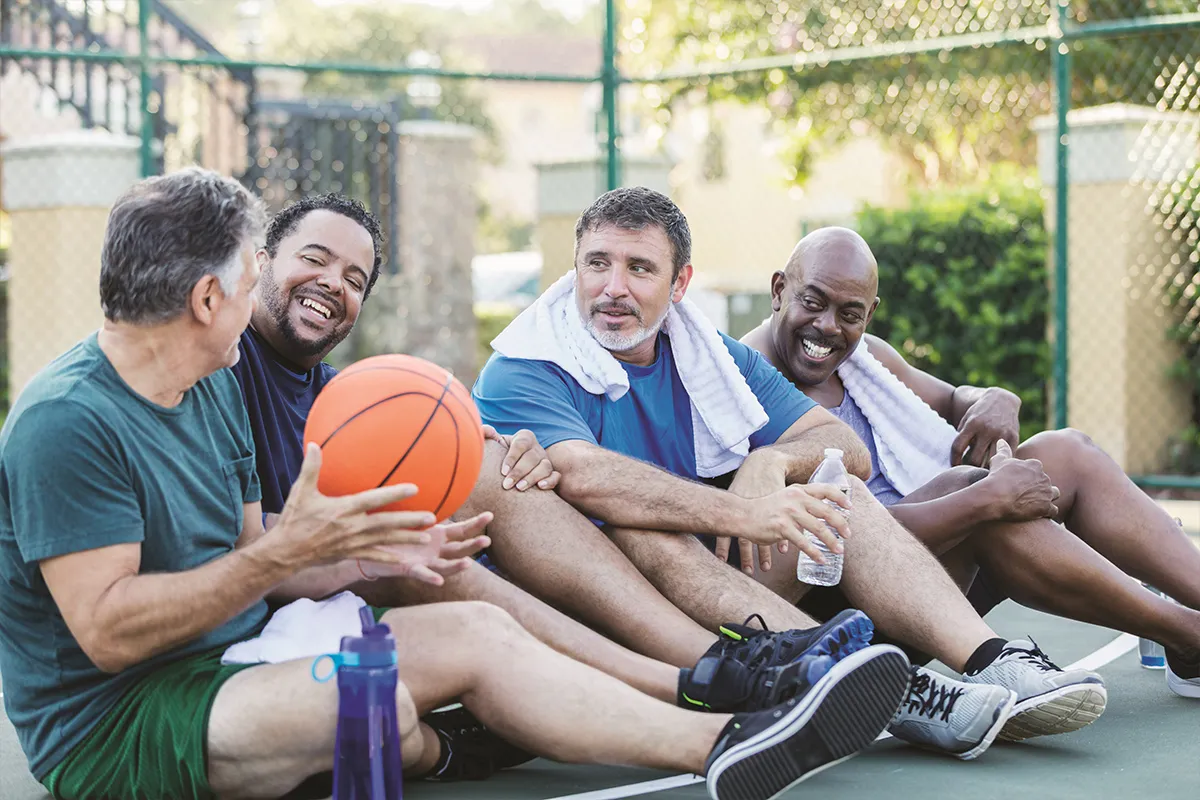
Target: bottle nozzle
[{"x": 833, "y": 452}]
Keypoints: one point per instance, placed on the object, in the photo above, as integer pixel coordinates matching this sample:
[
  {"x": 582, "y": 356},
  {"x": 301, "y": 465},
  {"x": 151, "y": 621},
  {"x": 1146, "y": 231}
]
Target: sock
[
  {"x": 1187, "y": 671},
  {"x": 685, "y": 675},
  {"x": 983, "y": 656}
]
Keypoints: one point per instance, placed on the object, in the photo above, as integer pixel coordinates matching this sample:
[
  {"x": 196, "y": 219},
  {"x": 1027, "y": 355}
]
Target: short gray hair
[
  {"x": 167, "y": 233},
  {"x": 635, "y": 208}
]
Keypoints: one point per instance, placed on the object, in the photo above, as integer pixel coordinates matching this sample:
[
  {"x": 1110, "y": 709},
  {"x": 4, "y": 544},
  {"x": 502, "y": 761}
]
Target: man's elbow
[
  {"x": 108, "y": 655},
  {"x": 857, "y": 459}
]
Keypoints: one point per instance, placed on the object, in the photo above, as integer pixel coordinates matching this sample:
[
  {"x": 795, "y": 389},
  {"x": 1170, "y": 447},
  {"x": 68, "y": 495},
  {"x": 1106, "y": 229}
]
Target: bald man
[{"x": 1052, "y": 522}]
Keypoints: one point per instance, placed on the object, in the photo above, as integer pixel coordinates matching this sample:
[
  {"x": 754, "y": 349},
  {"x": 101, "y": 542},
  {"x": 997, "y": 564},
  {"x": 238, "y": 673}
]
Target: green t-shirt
[{"x": 85, "y": 462}]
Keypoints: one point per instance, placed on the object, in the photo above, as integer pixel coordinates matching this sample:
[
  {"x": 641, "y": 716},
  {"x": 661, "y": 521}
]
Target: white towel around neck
[
  {"x": 725, "y": 411},
  {"x": 912, "y": 440}
]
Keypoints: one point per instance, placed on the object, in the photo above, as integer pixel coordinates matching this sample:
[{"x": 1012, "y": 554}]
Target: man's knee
[
  {"x": 488, "y": 489},
  {"x": 472, "y": 619},
  {"x": 962, "y": 476},
  {"x": 1061, "y": 445}
]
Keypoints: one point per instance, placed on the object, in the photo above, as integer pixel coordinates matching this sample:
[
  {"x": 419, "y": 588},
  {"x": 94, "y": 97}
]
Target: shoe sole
[
  {"x": 1060, "y": 711},
  {"x": 1182, "y": 686},
  {"x": 840, "y": 715},
  {"x": 1003, "y": 714},
  {"x": 849, "y": 632}
]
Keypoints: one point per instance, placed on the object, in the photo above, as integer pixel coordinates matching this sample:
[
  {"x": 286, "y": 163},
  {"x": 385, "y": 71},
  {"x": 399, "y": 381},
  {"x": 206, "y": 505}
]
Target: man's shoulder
[{"x": 500, "y": 370}]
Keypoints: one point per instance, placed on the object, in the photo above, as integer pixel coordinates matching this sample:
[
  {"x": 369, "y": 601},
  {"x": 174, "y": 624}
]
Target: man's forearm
[
  {"x": 800, "y": 457},
  {"x": 944, "y": 522},
  {"x": 629, "y": 493},
  {"x": 143, "y": 615}
]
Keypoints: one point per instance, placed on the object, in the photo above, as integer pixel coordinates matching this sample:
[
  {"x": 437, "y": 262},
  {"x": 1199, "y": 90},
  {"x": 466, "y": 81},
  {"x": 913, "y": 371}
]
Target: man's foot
[
  {"x": 470, "y": 752},
  {"x": 721, "y": 683},
  {"x": 1049, "y": 700},
  {"x": 848, "y": 632},
  {"x": 961, "y": 719},
  {"x": 1183, "y": 677},
  {"x": 760, "y": 756}
]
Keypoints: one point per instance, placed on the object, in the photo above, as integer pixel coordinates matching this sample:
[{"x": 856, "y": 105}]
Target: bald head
[
  {"x": 836, "y": 252},
  {"x": 823, "y": 301}
]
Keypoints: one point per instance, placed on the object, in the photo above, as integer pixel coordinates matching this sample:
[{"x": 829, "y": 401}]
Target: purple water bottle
[{"x": 366, "y": 762}]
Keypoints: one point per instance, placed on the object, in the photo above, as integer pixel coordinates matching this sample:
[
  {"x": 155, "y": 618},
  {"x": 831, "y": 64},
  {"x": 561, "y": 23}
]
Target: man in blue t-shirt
[{"x": 631, "y": 462}]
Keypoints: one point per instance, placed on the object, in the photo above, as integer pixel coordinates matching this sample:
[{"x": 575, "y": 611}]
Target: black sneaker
[
  {"x": 760, "y": 756},
  {"x": 721, "y": 683},
  {"x": 470, "y": 752},
  {"x": 848, "y": 632}
]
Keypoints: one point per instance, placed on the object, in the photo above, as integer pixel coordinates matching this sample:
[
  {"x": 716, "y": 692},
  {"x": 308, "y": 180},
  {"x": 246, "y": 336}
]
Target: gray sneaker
[
  {"x": 961, "y": 719},
  {"x": 1049, "y": 700}
]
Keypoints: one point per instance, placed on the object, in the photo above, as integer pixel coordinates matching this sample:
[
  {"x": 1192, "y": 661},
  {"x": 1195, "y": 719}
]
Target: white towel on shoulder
[
  {"x": 912, "y": 440},
  {"x": 725, "y": 410},
  {"x": 301, "y": 629}
]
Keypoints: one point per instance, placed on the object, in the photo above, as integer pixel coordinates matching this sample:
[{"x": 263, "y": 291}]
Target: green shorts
[{"x": 153, "y": 744}]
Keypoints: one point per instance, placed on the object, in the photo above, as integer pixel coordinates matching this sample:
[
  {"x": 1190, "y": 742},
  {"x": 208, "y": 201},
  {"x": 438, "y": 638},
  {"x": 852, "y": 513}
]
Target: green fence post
[
  {"x": 144, "y": 75},
  {"x": 611, "y": 79},
  {"x": 1061, "y": 58}
]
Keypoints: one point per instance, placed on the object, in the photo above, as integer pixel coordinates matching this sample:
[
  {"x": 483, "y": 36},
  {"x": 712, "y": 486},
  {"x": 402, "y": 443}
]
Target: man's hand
[
  {"x": 526, "y": 463},
  {"x": 757, "y": 477},
  {"x": 993, "y": 418},
  {"x": 1022, "y": 488},
  {"x": 315, "y": 529},
  {"x": 784, "y": 518},
  {"x": 450, "y": 551}
]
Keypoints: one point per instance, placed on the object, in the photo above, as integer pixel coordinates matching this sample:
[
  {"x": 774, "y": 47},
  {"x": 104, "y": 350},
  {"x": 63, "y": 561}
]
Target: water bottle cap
[{"x": 833, "y": 452}]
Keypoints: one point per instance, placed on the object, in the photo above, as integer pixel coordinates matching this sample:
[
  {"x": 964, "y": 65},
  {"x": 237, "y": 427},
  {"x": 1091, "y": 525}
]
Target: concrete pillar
[
  {"x": 1122, "y": 256},
  {"x": 427, "y": 310},
  {"x": 566, "y": 189},
  {"x": 58, "y": 189}
]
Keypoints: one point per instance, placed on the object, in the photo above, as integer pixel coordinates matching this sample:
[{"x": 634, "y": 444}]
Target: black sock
[
  {"x": 1184, "y": 669},
  {"x": 983, "y": 656},
  {"x": 685, "y": 675},
  {"x": 443, "y": 757}
]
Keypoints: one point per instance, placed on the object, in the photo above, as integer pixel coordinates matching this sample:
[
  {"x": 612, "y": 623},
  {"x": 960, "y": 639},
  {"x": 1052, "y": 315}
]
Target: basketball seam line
[
  {"x": 377, "y": 403},
  {"x": 420, "y": 433},
  {"x": 418, "y": 373}
]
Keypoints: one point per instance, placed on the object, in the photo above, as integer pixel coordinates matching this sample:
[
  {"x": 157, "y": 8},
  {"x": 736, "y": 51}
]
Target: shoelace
[
  {"x": 1034, "y": 656},
  {"x": 928, "y": 698}
]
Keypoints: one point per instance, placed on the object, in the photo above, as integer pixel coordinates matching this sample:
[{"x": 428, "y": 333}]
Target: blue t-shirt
[
  {"x": 87, "y": 463},
  {"x": 278, "y": 400},
  {"x": 652, "y": 422}
]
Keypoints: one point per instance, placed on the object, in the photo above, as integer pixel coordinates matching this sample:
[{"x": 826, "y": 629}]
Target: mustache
[
  {"x": 820, "y": 340},
  {"x": 616, "y": 308}
]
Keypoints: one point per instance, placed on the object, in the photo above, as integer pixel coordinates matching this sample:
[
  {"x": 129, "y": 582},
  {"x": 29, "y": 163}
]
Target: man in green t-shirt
[{"x": 133, "y": 554}]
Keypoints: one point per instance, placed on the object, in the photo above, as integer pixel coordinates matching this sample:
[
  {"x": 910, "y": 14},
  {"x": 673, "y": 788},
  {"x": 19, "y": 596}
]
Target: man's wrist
[
  {"x": 268, "y": 560},
  {"x": 990, "y": 505}
]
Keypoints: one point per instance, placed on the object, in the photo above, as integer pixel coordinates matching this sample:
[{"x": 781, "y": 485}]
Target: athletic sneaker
[
  {"x": 470, "y": 752},
  {"x": 760, "y": 756},
  {"x": 1183, "y": 678},
  {"x": 721, "y": 683},
  {"x": 1049, "y": 700},
  {"x": 848, "y": 632},
  {"x": 961, "y": 719}
]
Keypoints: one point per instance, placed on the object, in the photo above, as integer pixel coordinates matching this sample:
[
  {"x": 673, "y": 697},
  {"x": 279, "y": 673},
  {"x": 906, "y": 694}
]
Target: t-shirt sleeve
[
  {"x": 515, "y": 393},
  {"x": 66, "y": 485},
  {"x": 782, "y": 401}
]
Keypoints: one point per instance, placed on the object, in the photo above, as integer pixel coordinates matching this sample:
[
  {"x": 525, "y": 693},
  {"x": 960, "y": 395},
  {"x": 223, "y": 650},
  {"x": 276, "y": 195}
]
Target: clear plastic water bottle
[
  {"x": 366, "y": 763},
  {"x": 1151, "y": 652},
  {"x": 831, "y": 471}
]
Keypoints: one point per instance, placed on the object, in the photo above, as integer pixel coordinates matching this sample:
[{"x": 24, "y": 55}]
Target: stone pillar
[
  {"x": 1121, "y": 258},
  {"x": 567, "y": 188},
  {"x": 58, "y": 189},
  {"x": 427, "y": 310}
]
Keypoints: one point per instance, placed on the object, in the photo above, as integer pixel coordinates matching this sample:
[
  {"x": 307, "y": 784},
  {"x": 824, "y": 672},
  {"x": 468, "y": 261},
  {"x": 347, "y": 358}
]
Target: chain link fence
[{"x": 993, "y": 152}]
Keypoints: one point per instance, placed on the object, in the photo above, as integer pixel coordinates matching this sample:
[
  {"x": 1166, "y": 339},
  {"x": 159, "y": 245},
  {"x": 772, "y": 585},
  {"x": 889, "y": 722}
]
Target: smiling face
[
  {"x": 311, "y": 292},
  {"x": 625, "y": 287},
  {"x": 822, "y": 304}
]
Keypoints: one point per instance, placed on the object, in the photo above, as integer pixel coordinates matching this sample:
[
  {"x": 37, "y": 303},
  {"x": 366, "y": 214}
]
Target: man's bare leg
[
  {"x": 1104, "y": 508},
  {"x": 710, "y": 591},
  {"x": 551, "y": 627},
  {"x": 272, "y": 726},
  {"x": 898, "y": 583},
  {"x": 551, "y": 550}
]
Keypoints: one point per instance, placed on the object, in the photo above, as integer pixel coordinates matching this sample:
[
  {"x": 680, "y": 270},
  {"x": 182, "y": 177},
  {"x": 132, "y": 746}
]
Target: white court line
[{"x": 1093, "y": 661}]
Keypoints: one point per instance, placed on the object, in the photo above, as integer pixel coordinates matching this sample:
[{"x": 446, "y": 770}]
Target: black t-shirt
[{"x": 278, "y": 400}]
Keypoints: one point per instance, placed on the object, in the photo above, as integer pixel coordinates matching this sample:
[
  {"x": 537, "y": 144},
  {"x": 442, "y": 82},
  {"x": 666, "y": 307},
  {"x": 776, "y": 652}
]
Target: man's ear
[
  {"x": 778, "y": 280},
  {"x": 262, "y": 257},
  {"x": 206, "y": 299},
  {"x": 681, "y": 282},
  {"x": 871, "y": 312}
]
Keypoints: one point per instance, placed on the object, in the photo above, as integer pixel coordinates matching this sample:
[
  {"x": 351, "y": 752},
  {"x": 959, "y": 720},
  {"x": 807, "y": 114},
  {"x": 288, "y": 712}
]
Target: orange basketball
[{"x": 398, "y": 419}]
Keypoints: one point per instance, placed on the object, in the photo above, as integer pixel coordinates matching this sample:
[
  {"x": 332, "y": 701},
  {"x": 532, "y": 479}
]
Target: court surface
[{"x": 1147, "y": 744}]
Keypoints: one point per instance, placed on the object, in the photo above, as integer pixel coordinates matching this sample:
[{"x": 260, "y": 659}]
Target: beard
[
  {"x": 618, "y": 342},
  {"x": 278, "y": 306}
]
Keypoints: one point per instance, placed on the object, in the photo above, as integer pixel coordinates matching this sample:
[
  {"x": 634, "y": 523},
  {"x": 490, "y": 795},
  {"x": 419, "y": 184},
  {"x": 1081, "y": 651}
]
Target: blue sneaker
[{"x": 848, "y": 632}]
